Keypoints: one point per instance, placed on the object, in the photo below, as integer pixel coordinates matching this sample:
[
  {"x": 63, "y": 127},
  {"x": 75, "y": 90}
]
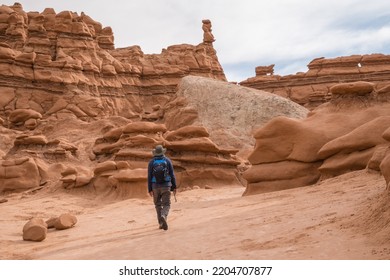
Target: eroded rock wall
[
  {"x": 345, "y": 134},
  {"x": 312, "y": 88},
  {"x": 71, "y": 102},
  {"x": 57, "y": 63},
  {"x": 197, "y": 160}
]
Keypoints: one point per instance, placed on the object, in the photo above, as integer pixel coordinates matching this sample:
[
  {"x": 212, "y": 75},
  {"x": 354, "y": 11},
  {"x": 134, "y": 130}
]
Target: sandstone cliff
[
  {"x": 65, "y": 63},
  {"x": 312, "y": 88},
  {"x": 71, "y": 102}
]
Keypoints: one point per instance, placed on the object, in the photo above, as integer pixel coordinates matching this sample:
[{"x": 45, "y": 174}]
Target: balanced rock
[{"x": 355, "y": 88}]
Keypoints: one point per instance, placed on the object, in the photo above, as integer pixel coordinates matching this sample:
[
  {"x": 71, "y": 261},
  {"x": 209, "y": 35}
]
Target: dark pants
[{"x": 162, "y": 201}]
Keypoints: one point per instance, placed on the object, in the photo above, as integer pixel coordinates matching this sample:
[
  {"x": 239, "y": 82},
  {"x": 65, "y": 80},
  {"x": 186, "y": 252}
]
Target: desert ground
[{"x": 336, "y": 219}]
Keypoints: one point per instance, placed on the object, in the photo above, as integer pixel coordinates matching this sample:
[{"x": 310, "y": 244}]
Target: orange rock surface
[
  {"x": 312, "y": 88},
  {"x": 256, "y": 171}
]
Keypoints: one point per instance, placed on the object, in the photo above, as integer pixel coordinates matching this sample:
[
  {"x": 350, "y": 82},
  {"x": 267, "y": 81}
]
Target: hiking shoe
[
  {"x": 164, "y": 224},
  {"x": 160, "y": 226}
]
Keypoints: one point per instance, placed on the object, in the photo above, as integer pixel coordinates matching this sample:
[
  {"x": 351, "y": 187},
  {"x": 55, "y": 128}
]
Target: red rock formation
[
  {"x": 228, "y": 111},
  {"x": 195, "y": 157},
  {"x": 18, "y": 174},
  {"x": 65, "y": 62},
  {"x": 59, "y": 71},
  {"x": 342, "y": 135},
  {"x": 76, "y": 112},
  {"x": 312, "y": 88},
  {"x": 208, "y": 37}
]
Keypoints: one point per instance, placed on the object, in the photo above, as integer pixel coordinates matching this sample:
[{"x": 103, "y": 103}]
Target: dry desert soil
[{"x": 345, "y": 217}]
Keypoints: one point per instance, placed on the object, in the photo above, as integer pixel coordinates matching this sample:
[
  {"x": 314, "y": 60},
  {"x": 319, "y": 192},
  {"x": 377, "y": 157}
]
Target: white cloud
[{"x": 248, "y": 32}]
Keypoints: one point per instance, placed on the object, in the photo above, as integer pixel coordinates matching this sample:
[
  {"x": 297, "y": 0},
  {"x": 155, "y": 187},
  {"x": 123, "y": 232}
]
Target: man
[{"x": 161, "y": 181}]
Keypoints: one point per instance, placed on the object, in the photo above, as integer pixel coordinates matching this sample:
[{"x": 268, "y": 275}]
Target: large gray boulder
[{"x": 228, "y": 111}]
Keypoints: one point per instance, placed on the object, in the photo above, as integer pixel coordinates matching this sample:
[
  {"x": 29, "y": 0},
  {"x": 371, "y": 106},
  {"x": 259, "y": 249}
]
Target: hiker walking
[{"x": 161, "y": 181}]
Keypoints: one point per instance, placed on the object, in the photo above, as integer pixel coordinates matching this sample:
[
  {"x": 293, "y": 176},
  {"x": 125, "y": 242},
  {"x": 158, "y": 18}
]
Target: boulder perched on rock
[
  {"x": 354, "y": 88},
  {"x": 35, "y": 230}
]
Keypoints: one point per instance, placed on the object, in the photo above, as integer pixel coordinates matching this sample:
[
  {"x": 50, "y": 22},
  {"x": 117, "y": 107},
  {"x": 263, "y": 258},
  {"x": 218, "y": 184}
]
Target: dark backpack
[{"x": 160, "y": 171}]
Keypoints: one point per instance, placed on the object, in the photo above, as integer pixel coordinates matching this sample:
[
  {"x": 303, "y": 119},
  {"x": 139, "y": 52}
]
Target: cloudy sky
[{"x": 248, "y": 33}]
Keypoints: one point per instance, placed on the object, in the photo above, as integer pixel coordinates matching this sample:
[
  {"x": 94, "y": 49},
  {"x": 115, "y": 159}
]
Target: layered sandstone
[
  {"x": 345, "y": 134},
  {"x": 63, "y": 84},
  {"x": 77, "y": 113},
  {"x": 125, "y": 152},
  {"x": 19, "y": 174},
  {"x": 66, "y": 63},
  {"x": 312, "y": 88}
]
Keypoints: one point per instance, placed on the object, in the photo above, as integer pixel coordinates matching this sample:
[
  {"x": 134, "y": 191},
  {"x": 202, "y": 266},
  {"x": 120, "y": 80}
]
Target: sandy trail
[{"x": 325, "y": 221}]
